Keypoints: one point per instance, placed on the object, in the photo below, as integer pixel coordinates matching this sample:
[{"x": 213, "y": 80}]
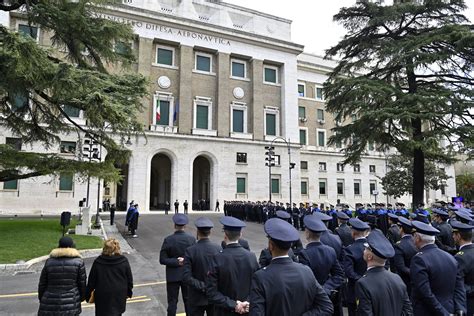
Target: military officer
[
  {"x": 437, "y": 285},
  {"x": 445, "y": 236},
  {"x": 196, "y": 265},
  {"x": 285, "y": 288},
  {"x": 380, "y": 292},
  {"x": 405, "y": 249},
  {"x": 176, "y": 207},
  {"x": 323, "y": 261},
  {"x": 327, "y": 237},
  {"x": 185, "y": 205},
  {"x": 344, "y": 231},
  {"x": 393, "y": 233},
  {"x": 353, "y": 261},
  {"x": 230, "y": 272},
  {"x": 172, "y": 256},
  {"x": 462, "y": 234}
]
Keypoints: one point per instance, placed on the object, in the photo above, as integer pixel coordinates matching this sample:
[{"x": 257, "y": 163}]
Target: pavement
[{"x": 18, "y": 293}]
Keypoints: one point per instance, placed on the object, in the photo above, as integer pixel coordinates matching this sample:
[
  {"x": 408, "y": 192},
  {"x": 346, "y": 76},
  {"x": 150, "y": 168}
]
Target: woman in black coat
[
  {"x": 111, "y": 280},
  {"x": 62, "y": 285}
]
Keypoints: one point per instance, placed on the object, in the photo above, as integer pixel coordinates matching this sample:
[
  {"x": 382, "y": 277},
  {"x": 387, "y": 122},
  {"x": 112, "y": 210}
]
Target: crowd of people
[{"x": 374, "y": 261}]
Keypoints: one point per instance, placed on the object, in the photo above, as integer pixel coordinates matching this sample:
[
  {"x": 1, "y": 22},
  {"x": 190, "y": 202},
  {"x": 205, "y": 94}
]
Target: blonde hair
[{"x": 111, "y": 247}]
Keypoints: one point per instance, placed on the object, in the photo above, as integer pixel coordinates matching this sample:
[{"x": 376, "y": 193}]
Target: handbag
[{"x": 92, "y": 298}]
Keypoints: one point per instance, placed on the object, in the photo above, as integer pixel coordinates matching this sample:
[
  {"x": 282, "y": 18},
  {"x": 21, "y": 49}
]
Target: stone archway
[
  {"x": 201, "y": 183},
  {"x": 160, "y": 182}
]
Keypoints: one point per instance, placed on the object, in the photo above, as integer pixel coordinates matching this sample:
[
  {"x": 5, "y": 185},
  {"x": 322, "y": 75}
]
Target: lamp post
[
  {"x": 92, "y": 151},
  {"x": 271, "y": 162}
]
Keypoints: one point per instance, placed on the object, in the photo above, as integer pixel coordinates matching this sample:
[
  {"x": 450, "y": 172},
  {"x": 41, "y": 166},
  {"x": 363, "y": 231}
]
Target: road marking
[
  {"x": 36, "y": 293},
  {"x": 128, "y": 302}
]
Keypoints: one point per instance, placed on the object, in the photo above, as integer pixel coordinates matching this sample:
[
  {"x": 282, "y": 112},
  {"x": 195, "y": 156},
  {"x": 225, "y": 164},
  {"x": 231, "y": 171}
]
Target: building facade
[{"x": 226, "y": 81}]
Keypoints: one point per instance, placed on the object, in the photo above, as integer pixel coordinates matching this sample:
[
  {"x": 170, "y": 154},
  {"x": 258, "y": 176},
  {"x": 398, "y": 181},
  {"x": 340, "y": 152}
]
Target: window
[
  {"x": 15, "y": 143},
  {"x": 276, "y": 160},
  {"x": 340, "y": 187},
  {"x": 302, "y": 137},
  {"x": 68, "y": 147},
  {"x": 322, "y": 166},
  {"x": 241, "y": 157},
  {"x": 238, "y": 69},
  {"x": 357, "y": 167},
  {"x": 270, "y": 120},
  {"x": 270, "y": 74},
  {"x": 65, "y": 182},
  {"x": 71, "y": 111},
  {"x": 165, "y": 56},
  {"x": 237, "y": 121},
  {"x": 304, "y": 188},
  {"x": 27, "y": 30},
  {"x": 357, "y": 187},
  {"x": 10, "y": 185},
  {"x": 373, "y": 187},
  {"x": 122, "y": 48},
  {"x": 241, "y": 185},
  {"x": 301, "y": 90},
  {"x": 319, "y": 93},
  {"x": 340, "y": 167},
  {"x": 372, "y": 168},
  {"x": 371, "y": 146},
  {"x": 303, "y": 165},
  {"x": 18, "y": 101},
  {"x": 321, "y": 138},
  {"x": 203, "y": 113},
  {"x": 163, "y": 110},
  {"x": 301, "y": 112},
  {"x": 203, "y": 62},
  {"x": 322, "y": 186},
  {"x": 320, "y": 114},
  {"x": 275, "y": 186}
]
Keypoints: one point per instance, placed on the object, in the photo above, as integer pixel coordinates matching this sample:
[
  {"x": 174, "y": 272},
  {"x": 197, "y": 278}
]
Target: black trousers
[
  {"x": 112, "y": 217},
  {"x": 199, "y": 310},
  {"x": 176, "y": 211},
  {"x": 352, "y": 309},
  {"x": 172, "y": 292}
]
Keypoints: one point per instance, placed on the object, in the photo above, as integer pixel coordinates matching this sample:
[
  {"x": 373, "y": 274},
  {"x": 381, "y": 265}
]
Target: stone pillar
[
  {"x": 256, "y": 118},
  {"x": 185, "y": 115},
  {"x": 222, "y": 106}
]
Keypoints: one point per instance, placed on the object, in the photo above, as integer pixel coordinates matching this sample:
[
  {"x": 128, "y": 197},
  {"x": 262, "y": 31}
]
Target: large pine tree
[
  {"x": 406, "y": 71},
  {"x": 37, "y": 82}
]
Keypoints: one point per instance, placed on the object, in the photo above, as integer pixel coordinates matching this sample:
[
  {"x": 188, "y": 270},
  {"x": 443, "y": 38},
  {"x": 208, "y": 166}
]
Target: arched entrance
[
  {"x": 117, "y": 193},
  {"x": 201, "y": 183},
  {"x": 160, "y": 182}
]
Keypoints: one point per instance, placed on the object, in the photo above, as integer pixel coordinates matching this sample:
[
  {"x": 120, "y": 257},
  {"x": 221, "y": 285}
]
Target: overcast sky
[{"x": 312, "y": 19}]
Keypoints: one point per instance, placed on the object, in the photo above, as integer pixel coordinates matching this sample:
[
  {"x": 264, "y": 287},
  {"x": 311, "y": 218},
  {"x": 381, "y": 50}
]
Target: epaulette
[
  {"x": 398, "y": 242},
  {"x": 460, "y": 253}
]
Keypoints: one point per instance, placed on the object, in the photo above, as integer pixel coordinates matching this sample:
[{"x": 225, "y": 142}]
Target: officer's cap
[
  {"x": 357, "y": 224},
  {"x": 404, "y": 221},
  {"x": 440, "y": 212},
  {"x": 342, "y": 215},
  {"x": 463, "y": 216},
  {"x": 314, "y": 224},
  {"x": 281, "y": 230},
  {"x": 380, "y": 245},
  {"x": 393, "y": 217},
  {"x": 282, "y": 214},
  {"x": 180, "y": 219},
  {"x": 203, "y": 223},
  {"x": 232, "y": 223},
  {"x": 461, "y": 227},
  {"x": 322, "y": 217},
  {"x": 424, "y": 228}
]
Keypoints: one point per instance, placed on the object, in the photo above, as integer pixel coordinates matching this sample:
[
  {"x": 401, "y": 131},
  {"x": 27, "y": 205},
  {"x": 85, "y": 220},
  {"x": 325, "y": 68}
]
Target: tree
[
  {"x": 465, "y": 186},
  {"x": 398, "y": 180},
  {"x": 76, "y": 71},
  {"x": 405, "y": 70}
]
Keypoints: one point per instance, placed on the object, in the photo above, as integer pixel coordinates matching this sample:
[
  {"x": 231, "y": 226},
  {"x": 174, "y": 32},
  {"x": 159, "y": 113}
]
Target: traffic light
[
  {"x": 292, "y": 165},
  {"x": 270, "y": 159}
]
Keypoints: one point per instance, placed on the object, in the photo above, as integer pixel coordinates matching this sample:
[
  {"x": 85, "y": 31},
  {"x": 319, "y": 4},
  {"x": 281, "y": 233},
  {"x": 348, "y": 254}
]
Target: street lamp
[
  {"x": 92, "y": 151},
  {"x": 271, "y": 162}
]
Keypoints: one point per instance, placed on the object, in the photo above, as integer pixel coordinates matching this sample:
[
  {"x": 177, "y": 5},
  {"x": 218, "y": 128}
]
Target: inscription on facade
[{"x": 168, "y": 30}]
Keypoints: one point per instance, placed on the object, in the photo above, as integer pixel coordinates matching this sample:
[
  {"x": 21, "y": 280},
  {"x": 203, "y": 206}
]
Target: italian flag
[{"x": 158, "y": 114}]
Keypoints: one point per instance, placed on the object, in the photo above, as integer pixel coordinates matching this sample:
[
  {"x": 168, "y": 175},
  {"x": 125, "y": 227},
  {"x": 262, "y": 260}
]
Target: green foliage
[
  {"x": 465, "y": 186},
  {"x": 25, "y": 239},
  {"x": 406, "y": 71},
  {"x": 399, "y": 179},
  {"x": 73, "y": 72}
]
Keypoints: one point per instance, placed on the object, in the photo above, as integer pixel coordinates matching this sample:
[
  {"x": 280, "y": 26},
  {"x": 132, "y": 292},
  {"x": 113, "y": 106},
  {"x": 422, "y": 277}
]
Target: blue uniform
[
  {"x": 437, "y": 285},
  {"x": 286, "y": 288},
  {"x": 405, "y": 249},
  {"x": 333, "y": 241},
  {"x": 354, "y": 266}
]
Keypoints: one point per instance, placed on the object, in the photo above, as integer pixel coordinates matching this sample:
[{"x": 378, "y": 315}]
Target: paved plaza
[{"x": 18, "y": 293}]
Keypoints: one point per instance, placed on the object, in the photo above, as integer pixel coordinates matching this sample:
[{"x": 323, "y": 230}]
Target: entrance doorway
[
  {"x": 160, "y": 182},
  {"x": 201, "y": 183}
]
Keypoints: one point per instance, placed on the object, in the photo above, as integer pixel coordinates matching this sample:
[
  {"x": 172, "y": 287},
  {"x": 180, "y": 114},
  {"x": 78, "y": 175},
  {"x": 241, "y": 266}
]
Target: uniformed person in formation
[
  {"x": 172, "y": 255},
  {"x": 445, "y": 237},
  {"x": 323, "y": 261},
  {"x": 286, "y": 288},
  {"x": 344, "y": 231},
  {"x": 405, "y": 249},
  {"x": 462, "y": 234},
  {"x": 230, "y": 272},
  {"x": 327, "y": 237},
  {"x": 380, "y": 292},
  {"x": 196, "y": 265},
  {"x": 437, "y": 285},
  {"x": 393, "y": 233},
  {"x": 353, "y": 264}
]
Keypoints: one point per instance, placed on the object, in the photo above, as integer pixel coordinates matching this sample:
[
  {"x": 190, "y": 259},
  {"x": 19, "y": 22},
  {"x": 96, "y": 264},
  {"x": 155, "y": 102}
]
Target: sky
[{"x": 312, "y": 19}]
